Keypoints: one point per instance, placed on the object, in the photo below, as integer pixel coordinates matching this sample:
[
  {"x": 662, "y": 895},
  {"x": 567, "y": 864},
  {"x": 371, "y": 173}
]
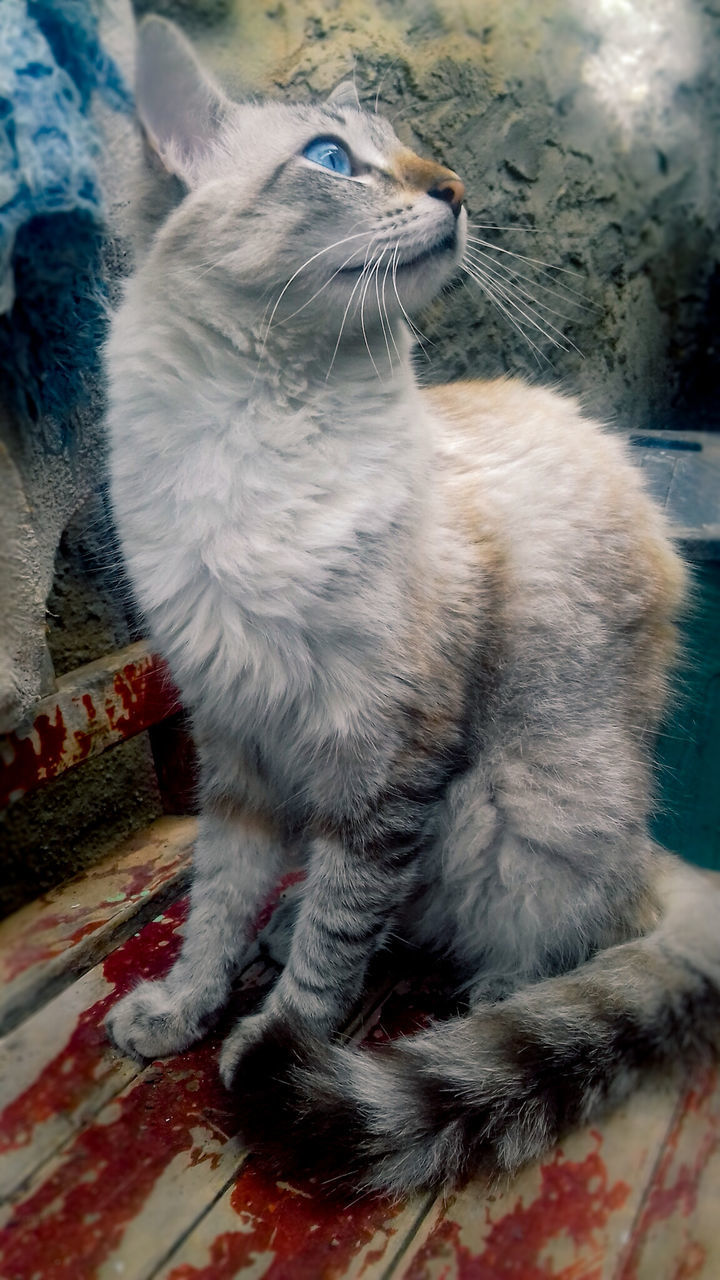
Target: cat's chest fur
[{"x": 282, "y": 528}]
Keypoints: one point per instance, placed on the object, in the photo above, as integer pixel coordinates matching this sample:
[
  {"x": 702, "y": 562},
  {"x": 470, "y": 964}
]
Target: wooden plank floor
[{"x": 110, "y": 1170}]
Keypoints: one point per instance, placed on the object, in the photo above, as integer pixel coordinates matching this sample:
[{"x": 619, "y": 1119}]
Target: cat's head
[{"x": 318, "y": 211}]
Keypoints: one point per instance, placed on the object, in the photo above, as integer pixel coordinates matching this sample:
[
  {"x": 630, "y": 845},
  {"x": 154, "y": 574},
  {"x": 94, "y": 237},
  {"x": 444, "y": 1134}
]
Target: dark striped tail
[{"x": 493, "y": 1090}]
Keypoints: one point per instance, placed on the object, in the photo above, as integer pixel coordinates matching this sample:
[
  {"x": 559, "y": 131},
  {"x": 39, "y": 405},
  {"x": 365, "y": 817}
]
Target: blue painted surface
[
  {"x": 51, "y": 213},
  {"x": 682, "y": 471}
]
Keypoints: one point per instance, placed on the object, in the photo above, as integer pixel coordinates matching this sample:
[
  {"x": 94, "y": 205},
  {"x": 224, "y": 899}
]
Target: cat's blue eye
[{"x": 328, "y": 153}]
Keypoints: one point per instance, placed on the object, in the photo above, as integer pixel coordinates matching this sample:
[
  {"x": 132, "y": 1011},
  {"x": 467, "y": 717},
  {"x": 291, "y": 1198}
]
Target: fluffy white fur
[{"x": 423, "y": 637}]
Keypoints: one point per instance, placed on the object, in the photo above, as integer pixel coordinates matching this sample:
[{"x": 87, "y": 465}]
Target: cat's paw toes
[
  {"x": 248, "y": 1033},
  {"x": 150, "y": 1022}
]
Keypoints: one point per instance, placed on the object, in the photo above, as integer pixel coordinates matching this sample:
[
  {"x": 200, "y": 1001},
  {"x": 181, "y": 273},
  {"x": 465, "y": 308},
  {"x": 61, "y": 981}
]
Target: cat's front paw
[
  {"x": 152, "y": 1022},
  {"x": 246, "y": 1035}
]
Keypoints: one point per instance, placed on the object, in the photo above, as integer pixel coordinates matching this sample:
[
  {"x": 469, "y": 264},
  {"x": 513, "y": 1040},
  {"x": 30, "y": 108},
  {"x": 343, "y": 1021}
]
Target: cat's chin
[
  {"x": 441, "y": 251},
  {"x": 420, "y": 281},
  {"x": 415, "y": 279}
]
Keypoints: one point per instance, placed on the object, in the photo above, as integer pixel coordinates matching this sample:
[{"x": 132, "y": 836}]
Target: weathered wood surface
[
  {"x": 111, "y": 1170},
  {"x": 677, "y": 1233},
  {"x": 92, "y": 708},
  {"x": 44, "y": 945},
  {"x": 569, "y": 1217},
  {"x": 141, "y": 1166},
  {"x": 55, "y": 1071}
]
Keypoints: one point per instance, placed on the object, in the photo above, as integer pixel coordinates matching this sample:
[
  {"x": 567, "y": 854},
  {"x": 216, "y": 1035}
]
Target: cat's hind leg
[
  {"x": 238, "y": 857},
  {"x": 542, "y": 860}
]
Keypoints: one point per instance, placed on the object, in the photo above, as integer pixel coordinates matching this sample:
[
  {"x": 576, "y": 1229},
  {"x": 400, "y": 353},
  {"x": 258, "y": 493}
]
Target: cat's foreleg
[
  {"x": 237, "y": 859},
  {"x": 348, "y": 902}
]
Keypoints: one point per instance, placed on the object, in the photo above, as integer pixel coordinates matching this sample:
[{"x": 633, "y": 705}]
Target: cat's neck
[{"x": 230, "y": 363}]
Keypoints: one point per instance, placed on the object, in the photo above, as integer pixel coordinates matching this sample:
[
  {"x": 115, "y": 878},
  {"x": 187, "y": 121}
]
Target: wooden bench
[{"x": 112, "y": 1170}]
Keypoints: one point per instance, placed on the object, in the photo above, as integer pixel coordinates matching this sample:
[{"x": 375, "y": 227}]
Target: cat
[{"x": 424, "y": 636}]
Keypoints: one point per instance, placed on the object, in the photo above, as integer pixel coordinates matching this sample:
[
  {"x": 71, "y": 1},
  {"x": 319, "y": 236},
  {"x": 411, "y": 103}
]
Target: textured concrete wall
[{"x": 594, "y": 124}]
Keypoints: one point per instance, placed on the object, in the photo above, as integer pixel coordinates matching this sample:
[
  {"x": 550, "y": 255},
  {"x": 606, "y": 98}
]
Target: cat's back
[{"x": 575, "y": 520}]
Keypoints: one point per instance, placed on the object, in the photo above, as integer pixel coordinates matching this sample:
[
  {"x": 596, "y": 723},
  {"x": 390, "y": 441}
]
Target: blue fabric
[
  {"x": 50, "y": 64},
  {"x": 51, "y": 214}
]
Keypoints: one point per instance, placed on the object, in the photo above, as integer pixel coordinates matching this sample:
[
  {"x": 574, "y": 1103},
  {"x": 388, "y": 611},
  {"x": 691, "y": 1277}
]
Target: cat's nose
[
  {"x": 434, "y": 179},
  {"x": 451, "y": 189}
]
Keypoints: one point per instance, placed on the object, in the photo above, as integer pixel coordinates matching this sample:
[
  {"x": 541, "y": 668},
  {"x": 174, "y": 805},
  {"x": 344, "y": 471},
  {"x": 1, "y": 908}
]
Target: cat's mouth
[{"x": 447, "y": 244}]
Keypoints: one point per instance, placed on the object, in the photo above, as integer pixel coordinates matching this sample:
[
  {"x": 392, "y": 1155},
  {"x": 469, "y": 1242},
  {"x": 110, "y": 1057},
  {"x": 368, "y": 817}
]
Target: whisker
[
  {"x": 380, "y": 307},
  {"x": 419, "y": 337},
  {"x": 512, "y": 295},
  {"x": 387, "y": 316},
  {"x": 486, "y": 285},
  {"x": 518, "y": 290},
  {"x": 372, "y": 272},
  {"x": 533, "y": 231},
  {"x": 565, "y": 293},
  {"x": 562, "y": 342},
  {"x": 357, "y": 236},
  {"x": 512, "y": 292},
  {"x": 355, "y": 287},
  {"x": 538, "y": 262},
  {"x": 317, "y": 291}
]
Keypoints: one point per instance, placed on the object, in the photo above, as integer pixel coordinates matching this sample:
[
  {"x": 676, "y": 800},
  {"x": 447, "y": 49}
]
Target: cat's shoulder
[
  {"x": 523, "y": 414},
  {"x": 530, "y": 433},
  {"x": 559, "y": 481}
]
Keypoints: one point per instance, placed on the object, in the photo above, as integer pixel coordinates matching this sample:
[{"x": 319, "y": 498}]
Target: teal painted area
[{"x": 688, "y": 752}]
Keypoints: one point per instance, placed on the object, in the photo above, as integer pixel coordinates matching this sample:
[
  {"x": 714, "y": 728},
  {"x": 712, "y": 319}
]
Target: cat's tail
[{"x": 490, "y": 1091}]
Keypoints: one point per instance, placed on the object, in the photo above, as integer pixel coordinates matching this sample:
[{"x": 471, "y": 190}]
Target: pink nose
[{"x": 451, "y": 189}]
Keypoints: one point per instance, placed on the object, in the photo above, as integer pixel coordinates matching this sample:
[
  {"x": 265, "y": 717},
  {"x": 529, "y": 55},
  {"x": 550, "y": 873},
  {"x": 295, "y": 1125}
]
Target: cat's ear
[
  {"x": 180, "y": 106},
  {"x": 345, "y": 95}
]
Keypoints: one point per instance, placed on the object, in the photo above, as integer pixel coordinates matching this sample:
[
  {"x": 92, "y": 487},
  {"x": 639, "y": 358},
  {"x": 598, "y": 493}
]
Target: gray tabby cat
[{"x": 423, "y": 636}]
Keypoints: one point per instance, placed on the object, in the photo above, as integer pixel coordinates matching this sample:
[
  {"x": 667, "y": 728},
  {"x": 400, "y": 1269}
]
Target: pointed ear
[
  {"x": 180, "y": 107},
  {"x": 345, "y": 95}
]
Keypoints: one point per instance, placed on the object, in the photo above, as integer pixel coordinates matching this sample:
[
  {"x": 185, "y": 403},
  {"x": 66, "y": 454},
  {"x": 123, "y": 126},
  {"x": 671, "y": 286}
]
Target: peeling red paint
[
  {"x": 692, "y": 1265},
  {"x": 74, "y": 1219},
  {"x": 89, "y": 707},
  {"x": 575, "y": 1201},
  {"x": 304, "y": 1235},
  {"x": 311, "y": 1235},
  {"x": 77, "y": 1216},
  {"x": 145, "y": 693},
  {"x": 140, "y": 877},
  {"x": 675, "y": 1186},
  {"x": 27, "y": 954},
  {"x": 25, "y": 764},
  {"x": 680, "y": 1196},
  {"x": 28, "y": 951},
  {"x": 666, "y": 1198},
  {"x": 70, "y": 727},
  {"x": 67, "y": 1079}
]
